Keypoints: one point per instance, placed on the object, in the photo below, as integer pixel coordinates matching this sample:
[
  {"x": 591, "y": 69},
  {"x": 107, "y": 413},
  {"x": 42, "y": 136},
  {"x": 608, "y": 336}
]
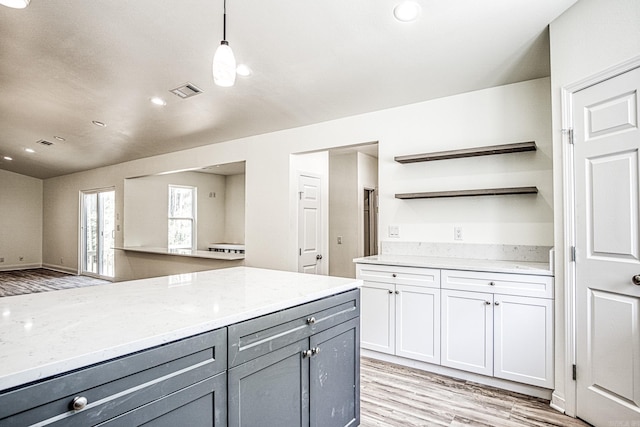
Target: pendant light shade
[
  {"x": 16, "y": 4},
  {"x": 224, "y": 66},
  {"x": 224, "y": 63}
]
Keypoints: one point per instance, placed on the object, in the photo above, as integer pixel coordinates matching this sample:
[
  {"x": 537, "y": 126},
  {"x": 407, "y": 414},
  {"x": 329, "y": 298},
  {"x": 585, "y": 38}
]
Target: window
[{"x": 182, "y": 217}]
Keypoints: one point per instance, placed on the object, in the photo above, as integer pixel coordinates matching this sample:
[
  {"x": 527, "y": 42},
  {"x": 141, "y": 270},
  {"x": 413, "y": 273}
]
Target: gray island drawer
[
  {"x": 117, "y": 386},
  {"x": 255, "y": 337}
]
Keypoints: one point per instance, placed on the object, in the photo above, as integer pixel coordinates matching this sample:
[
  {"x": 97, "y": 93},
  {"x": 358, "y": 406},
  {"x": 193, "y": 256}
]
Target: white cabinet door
[
  {"x": 377, "y": 317},
  {"x": 467, "y": 331},
  {"x": 418, "y": 323},
  {"x": 523, "y": 334}
]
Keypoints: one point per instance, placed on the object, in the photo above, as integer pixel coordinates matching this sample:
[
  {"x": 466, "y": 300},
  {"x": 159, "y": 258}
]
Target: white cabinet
[
  {"x": 500, "y": 334},
  {"x": 400, "y": 311}
]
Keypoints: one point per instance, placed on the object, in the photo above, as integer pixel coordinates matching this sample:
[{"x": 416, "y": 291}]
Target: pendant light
[
  {"x": 224, "y": 63},
  {"x": 16, "y": 4}
]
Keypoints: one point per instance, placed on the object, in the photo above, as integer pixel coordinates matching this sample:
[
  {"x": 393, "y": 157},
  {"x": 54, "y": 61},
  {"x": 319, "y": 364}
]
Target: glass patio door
[{"x": 98, "y": 233}]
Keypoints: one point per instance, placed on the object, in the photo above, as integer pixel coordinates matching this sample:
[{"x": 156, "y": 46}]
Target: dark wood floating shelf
[
  {"x": 467, "y": 193},
  {"x": 468, "y": 152}
]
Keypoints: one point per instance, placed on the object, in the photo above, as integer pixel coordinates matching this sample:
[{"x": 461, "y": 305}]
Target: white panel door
[
  {"x": 607, "y": 212},
  {"x": 418, "y": 323},
  {"x": 377, "y": 317},
  {"x": 309, "y": 224},
  {"x": 467, "y": 331},
  {"x": 523, "y": 339}
]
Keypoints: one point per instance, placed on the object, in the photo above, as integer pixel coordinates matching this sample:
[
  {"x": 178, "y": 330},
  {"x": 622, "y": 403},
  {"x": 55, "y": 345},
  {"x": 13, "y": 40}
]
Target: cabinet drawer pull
[
  {"x": 394, "y": 275},
  {"x": 78, "y": 403},
  {"x": 311, "y": 320},
  {"x": 492, "y": 283}
]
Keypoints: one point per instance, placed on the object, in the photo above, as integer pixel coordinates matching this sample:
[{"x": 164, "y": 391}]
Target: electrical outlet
[
  {"x": 339, "y": 240},
  {"x": 457, "y": 233},
  {"x": 2, "y": 259},
  {"x": 21, "y": 258},
  {"x": 394, "y": 231}
]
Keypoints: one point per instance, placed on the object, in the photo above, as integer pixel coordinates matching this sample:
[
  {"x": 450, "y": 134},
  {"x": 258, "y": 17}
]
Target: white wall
[
  {"x": 512, "y": 113},
  {"x": 590, "y": 37},
  {"x": 21, "y": 224},
  {"x": 343, "y": 213},
  {"x": 234, "y": 209}
]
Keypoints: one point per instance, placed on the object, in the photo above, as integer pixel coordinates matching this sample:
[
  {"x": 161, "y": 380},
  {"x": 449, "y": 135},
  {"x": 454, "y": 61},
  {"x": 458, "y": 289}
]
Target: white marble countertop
[
  {"x": 48, "y": 333},
  {"x": 185, "y": 252},
  {"x": 487, "y": 265}
]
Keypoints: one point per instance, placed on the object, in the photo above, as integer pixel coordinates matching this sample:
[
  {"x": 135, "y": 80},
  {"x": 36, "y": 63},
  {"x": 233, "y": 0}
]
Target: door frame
[
  {"x": 81, "y": 228},
  {"x": 569, "y": 229}
]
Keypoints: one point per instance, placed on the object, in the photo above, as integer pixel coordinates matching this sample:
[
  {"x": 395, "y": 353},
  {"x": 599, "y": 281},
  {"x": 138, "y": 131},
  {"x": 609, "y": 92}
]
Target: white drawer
[
  {"x": 410, "y": 276},
  {"x": 498, "y": 283}
]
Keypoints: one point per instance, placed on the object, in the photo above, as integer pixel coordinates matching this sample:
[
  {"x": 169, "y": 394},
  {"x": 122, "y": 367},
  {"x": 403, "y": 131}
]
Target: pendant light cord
[{"x": 224, "y": 20}]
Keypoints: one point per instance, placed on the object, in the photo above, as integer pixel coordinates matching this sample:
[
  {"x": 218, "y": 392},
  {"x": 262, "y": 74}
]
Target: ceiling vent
[
  {"x": 187, "y": 90},
  {"x": 44, "y": 142}
]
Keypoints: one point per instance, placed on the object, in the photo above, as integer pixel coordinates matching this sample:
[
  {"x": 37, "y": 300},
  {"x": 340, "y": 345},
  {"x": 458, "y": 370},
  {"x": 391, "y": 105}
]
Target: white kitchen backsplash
[{"x": 469, "y": 251}]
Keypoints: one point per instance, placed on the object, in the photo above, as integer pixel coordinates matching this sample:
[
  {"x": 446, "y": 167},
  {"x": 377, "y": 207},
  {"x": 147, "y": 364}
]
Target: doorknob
[
  {"x": 318, "y": 256},
  {"x": 636, "y": 280}
]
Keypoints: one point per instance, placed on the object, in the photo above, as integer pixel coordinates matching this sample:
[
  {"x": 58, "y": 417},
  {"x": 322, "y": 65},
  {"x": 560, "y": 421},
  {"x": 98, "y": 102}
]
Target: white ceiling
[{"x": 64, "y": 63}]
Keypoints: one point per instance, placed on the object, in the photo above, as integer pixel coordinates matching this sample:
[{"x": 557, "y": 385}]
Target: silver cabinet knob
[
  {"x": 636, "y": 280},
  {"x": 307, "y": 353},
  {"x": 78, "y": 403},
  {"x": 497, "y": 303},
  {"x": 311, "y": 320},
  {"x": 487, "y": 302},
  {"x": 315, "y": 351}
]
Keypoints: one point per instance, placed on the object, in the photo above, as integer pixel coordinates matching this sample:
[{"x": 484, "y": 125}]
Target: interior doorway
[
  {"x": 97, "y": 229},
  {"x": 370, "y": 222}
]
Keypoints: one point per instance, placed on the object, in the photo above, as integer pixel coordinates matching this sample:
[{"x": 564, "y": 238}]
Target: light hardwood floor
[{"x": 396, "y": 396}]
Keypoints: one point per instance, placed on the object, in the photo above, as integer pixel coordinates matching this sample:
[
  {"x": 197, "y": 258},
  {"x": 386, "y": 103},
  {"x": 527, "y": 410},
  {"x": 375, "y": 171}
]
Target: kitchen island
[{"x": 221, "y": 347}]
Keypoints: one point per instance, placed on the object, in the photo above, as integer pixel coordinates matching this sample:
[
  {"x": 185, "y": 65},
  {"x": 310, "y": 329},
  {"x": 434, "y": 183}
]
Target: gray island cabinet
[{"x": 294, "y": 363}]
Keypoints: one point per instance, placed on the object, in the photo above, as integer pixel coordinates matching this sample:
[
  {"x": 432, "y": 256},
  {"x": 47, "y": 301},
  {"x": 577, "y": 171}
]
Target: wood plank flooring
[
  {"x": 18, "y": 282},
  {"x": 396, "y": 396}
]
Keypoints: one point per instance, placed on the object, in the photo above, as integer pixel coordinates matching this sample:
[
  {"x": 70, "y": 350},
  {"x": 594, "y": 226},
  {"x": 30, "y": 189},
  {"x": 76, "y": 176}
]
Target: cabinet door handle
[
  {"x": 497, "y": 303},
  {"x": 78, "y": 403},
  {"x": 311, "y": 320},
  {"x": 394, "y": 275},
  {"x": 397, "y": 292},
  {"x": 315, "y": 351},
  {"x": 390, "y": 292},
  {"x": 307, "y": 353},
  {"x": 492, "y": 283},
  {"x": 487, "y": 302}
]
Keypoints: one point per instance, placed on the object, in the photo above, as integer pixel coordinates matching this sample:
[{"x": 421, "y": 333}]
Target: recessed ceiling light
[
  {"x": 16, "y": 4},
  {"x": 158, "y": 101},
  {"x": 7, "y": 158},
  {"x": 243, "y": 70},
  {"x": 29, "y": 150},
  {"x": 406, "y": 11},
  {"x": 59, "y": 138},
  {"x": 97, "y": 123}
]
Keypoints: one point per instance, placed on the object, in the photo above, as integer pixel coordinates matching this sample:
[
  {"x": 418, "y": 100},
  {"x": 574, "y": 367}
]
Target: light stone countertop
[
  {"x": 485, "y": 265},
  {"x": 226, "y": 256},
  {"x": 48, "y": 333}
]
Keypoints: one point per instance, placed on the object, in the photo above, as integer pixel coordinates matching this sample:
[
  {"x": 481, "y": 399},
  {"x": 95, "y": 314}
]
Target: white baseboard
[
  {"x": 19, "y": 267},
  {"x": 528, "y": 390},
  {"x": 60, "y": 268},
  {"x": 557, "y": 402}
]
